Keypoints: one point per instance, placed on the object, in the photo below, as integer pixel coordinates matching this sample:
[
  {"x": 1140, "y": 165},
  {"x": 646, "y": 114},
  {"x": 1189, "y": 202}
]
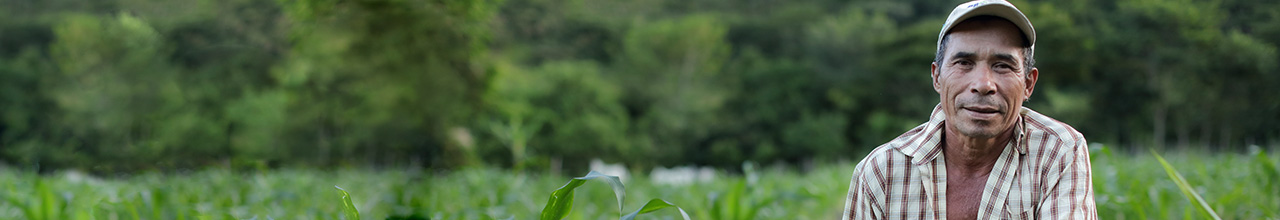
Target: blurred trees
[
  {"x": 134, "y": 85},
  {"x": 382, "y": 81}
]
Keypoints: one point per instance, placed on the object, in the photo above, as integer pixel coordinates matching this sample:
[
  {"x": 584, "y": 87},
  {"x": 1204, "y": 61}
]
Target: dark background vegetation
[{"x": 138, "y": 85}]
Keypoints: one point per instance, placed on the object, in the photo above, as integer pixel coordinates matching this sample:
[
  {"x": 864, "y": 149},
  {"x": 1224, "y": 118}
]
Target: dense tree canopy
[{"x": 117, "y": 86}]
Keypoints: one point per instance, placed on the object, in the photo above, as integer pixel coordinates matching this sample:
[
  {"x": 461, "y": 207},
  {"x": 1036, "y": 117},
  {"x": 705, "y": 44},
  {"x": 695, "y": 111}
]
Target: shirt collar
[{"x": 927, "y": 144}]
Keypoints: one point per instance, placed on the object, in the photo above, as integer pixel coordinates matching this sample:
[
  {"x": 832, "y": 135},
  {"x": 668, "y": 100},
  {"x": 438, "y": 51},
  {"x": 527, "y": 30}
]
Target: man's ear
[
  {"x": 934, "y": 70},
  {"x": 1031, "y": 78}
]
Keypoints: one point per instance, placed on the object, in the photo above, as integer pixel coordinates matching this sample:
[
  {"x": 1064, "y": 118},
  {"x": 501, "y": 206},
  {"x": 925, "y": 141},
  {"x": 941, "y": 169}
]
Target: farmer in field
[{"x": 981, "y": 155}]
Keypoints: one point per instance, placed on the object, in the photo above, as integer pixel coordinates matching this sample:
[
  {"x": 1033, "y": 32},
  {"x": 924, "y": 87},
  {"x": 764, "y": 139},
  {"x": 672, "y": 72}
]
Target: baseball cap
[{"x": 998, "y": 8}]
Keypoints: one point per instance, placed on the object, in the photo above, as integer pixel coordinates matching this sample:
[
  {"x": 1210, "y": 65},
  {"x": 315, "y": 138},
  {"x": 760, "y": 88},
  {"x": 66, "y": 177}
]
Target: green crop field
[{"x": 1129, "y": 186}]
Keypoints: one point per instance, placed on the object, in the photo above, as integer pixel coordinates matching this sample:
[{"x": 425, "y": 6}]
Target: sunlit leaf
[
  {"x": 561, "y": 200},
  {"x": 655, "y": 205},
  {"x": 348, "y": 208}
]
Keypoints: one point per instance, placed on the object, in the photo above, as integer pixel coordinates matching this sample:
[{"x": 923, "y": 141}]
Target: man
[{"x": 981, "y": 155}]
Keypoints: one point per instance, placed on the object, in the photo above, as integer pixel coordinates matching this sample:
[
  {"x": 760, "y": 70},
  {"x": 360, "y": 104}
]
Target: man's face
[{"x": 981, "y": 82}]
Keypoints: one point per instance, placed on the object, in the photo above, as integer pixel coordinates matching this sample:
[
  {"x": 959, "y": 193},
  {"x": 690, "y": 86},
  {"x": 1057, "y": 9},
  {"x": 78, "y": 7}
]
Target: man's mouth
[
  {"x": 982, "y": 109},
  {"x": 982, "y": 112}
]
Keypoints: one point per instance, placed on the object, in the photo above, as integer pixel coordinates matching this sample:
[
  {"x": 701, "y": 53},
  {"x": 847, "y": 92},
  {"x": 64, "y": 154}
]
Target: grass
[{"x": 1128, "y": 186}]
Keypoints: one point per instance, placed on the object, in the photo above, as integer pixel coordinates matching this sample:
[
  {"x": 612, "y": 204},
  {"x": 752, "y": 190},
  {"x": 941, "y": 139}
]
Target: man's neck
[{"x": 972, "y": 156}]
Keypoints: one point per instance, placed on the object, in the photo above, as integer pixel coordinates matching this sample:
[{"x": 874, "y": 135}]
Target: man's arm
[
  {"x": 861, "y": 203},
  {"x": 1072, "y": 194}
]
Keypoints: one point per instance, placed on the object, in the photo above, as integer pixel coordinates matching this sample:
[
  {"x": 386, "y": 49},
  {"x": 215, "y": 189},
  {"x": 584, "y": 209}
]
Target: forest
[{"x": 123, "y": 86}]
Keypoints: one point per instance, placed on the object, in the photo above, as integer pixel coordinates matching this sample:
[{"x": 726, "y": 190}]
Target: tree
[{"x": 383, "y": 79}]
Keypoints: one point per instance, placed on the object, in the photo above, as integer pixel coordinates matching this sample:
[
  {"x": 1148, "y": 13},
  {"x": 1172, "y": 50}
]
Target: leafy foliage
[
  {"x": 561, "y": 200},
  {"x": 130, "y": 86},
  {"x": 1127, "y": 185},
  {"x": 1186, "y": 188}
]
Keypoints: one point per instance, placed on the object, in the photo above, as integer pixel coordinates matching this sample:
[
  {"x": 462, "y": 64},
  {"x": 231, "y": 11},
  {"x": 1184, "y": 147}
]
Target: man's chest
[
  {"x": 964, "y": 196},
  {"x": 1007, "y": 192}
]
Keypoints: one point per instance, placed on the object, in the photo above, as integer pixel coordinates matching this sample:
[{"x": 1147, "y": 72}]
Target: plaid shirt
[{"x": 1042, "y": 174}]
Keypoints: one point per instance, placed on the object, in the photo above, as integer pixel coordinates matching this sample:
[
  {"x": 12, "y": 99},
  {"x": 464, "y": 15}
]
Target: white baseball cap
[{"x": 998, "y": 8}]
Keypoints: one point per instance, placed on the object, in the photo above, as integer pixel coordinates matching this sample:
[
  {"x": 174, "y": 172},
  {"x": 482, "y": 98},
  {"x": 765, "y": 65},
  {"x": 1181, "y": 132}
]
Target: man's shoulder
[
  {"x": 873, "y": 170},
  {"x": 890, "y": 153},
  {"x": 1042, "y": 126},
  {"x": 880, "y": 156}
]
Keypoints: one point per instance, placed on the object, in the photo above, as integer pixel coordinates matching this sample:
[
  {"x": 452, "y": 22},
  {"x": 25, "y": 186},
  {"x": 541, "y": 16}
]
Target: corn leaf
[
  {"x": 1186, "y": 188},
  {"x": 27, "y": 209},
  {"x": 561, "y": 200},
  {"x": 48, "y": 203},
  {"x": 755, "y": 208},
  {"x": 716, "y": 206},
  {"x": 655, "y": 205},
  {"x": 348, "y": 208},
  {"x": 1268, "y": 168},
  {"x": 733, "y": 200}
]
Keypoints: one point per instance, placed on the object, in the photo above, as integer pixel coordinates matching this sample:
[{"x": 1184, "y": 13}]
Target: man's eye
[
  {"x": 963, "y": 62},
  {"x": 1003, "y": 66}
]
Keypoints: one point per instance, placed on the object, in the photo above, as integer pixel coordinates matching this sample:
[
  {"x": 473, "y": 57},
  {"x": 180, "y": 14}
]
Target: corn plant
[
  {"x": 1186, "y": 188},
  {"x": 45, "y": 206},
  {"x": 561, "y": 200},
  {"x": 739, "y": 201},
  {"x": 736, "y": 203},
  {"x": 1128, "y": 185}
]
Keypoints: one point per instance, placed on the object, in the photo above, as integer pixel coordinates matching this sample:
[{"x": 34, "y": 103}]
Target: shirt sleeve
[
  {"x": 1071, "y": 196},
  {"x": 861, "y": 202}
]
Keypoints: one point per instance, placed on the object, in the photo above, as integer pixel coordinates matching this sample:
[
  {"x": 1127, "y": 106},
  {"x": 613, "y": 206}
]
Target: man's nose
[{"x": 984, "y": 83}]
